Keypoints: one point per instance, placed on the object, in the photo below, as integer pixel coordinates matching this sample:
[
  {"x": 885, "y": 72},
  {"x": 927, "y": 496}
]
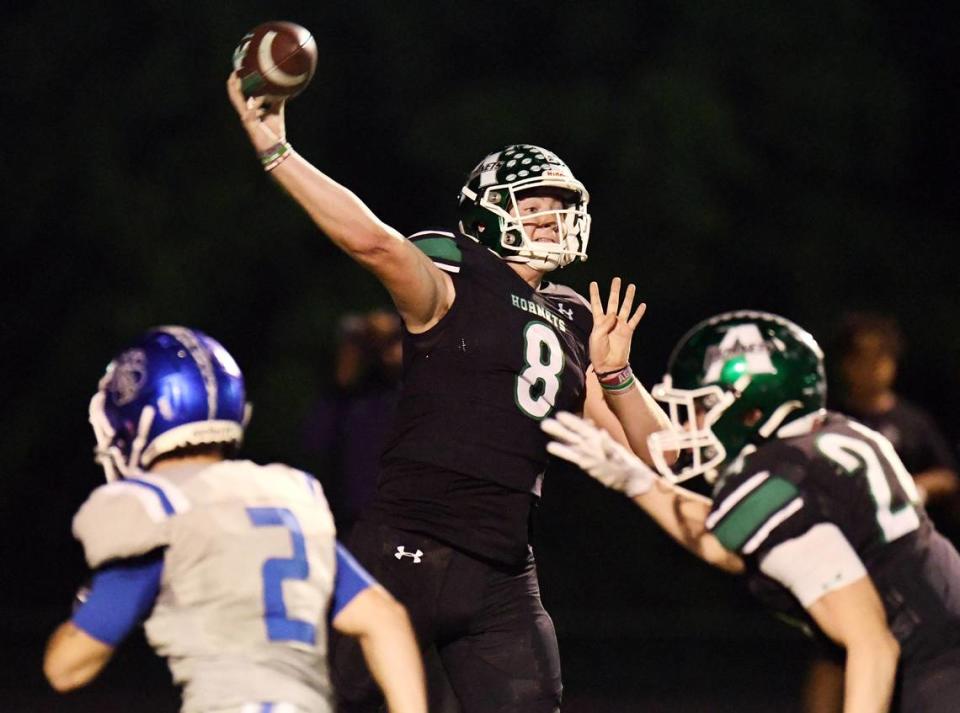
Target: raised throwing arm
[{"x": 421, "y": 292}]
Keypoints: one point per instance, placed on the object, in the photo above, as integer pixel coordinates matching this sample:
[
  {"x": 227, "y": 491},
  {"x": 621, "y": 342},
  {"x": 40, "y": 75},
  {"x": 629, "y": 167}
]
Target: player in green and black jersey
[
  {"x": 490, "y": 350},
  {"x": 816, "y": 509},
  {"x": 466, "y": 445}
]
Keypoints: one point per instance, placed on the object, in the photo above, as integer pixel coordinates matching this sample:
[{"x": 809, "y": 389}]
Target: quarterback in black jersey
[
  {"x": 814, "y": 508},
  {"x": 490, "y": 350}
]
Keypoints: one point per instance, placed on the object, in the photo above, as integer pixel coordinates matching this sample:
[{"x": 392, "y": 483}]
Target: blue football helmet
[{"x": 173, "y": 387}]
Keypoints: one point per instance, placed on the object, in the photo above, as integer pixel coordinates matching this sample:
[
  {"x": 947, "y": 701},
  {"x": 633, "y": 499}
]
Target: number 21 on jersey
[{"x": 891, "y": 486}]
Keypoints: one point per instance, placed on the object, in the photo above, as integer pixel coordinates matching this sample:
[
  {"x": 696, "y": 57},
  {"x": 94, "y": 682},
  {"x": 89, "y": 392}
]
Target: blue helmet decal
[{"x": 173, "y": 387}]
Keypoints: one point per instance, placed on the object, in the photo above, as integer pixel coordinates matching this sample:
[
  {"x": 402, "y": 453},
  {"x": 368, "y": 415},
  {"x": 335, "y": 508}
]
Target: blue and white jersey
[{"x": 248, "y": 566}]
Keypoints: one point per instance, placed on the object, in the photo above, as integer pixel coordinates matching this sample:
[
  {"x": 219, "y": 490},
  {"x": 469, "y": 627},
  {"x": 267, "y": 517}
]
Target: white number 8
[{"x": 543, "y": 357}]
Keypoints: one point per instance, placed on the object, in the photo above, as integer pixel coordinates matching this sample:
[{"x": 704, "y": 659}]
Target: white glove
[{"x": 595, "y": 451}]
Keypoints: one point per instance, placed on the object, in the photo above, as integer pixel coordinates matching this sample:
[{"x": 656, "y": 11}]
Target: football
[{"x": 275, "y": 59}]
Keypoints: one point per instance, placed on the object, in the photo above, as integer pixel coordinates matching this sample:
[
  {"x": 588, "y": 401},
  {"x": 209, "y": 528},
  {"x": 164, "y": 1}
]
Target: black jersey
[
  {"x": 477, "y": 385},
  {"x": 844, "y": 474},
  {"x": 466, "y": 454}
]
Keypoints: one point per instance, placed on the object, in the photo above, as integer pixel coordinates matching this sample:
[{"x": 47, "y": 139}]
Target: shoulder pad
[
  {"x": 441, "y": 247},
  {"x": 313, "y": 485},
  {"x": 302, "y": 483},
  {"x": 127, "y": 518},
  {"x": 815, "y": 563},
  {"x": 747, "y": 509}
]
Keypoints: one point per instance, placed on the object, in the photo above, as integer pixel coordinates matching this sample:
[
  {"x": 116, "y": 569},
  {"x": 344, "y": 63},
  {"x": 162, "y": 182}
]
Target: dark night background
[{"x": 794, "y": 157}]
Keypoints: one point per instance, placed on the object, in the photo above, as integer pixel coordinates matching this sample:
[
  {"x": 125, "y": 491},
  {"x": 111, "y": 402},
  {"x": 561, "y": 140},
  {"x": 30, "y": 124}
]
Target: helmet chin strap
[{"x": 544, "y": 264}]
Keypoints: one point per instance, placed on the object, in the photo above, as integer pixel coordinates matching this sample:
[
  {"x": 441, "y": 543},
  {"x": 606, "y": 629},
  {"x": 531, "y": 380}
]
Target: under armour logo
[
  {"x": 568, "y": 312},
  {"x": 401, "y": 553}
]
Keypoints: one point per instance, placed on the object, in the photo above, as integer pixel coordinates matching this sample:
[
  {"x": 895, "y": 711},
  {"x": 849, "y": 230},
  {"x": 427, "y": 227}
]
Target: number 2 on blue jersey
[{"x": 280, "y": 627}]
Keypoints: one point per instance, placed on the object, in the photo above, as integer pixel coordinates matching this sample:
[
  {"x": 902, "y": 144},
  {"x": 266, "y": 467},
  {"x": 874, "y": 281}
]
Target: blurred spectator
[
  {"x": 347, "y": 427},
  {"x": 868, "y": 349}
]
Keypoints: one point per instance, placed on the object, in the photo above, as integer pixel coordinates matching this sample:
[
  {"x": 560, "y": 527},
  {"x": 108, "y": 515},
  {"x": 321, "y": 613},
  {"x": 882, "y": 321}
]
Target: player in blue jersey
[
  {"x": 233, "y": 566},
  {"x": 815, "y": 509},
  {"x": 490, "y": 349}
]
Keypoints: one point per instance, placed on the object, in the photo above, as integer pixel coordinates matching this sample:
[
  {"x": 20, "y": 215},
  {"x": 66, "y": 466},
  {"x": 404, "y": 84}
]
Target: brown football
[{"x": 275, "y": 59}]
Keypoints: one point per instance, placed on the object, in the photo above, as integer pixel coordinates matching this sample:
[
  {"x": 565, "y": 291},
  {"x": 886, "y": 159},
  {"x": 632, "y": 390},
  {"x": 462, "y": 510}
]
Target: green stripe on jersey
[
  {"x": 750, "y": 513},
  {"x": 440, "y": 249}
]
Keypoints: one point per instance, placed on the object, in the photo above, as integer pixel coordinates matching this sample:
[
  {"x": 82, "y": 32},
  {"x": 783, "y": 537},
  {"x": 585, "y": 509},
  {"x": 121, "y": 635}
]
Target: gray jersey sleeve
[{"x": 126, "y": 518}]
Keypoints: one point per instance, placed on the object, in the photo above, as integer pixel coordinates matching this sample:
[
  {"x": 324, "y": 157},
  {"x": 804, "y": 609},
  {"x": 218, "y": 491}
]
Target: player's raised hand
[
  {"x": 264, "y": 122},
  {"x": 613, "y": 326},
  {"x": 597, "y": 454}
]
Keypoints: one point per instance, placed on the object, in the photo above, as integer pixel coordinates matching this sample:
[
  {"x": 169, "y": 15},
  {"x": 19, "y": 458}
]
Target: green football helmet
[
  {"x": 732, "y": 382},
  {"x": 487, "y": 202}
]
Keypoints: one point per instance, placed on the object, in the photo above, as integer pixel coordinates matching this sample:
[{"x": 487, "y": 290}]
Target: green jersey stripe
[
  {"x": 443, "y": 249},
  {"x": 751, "y": 513}
]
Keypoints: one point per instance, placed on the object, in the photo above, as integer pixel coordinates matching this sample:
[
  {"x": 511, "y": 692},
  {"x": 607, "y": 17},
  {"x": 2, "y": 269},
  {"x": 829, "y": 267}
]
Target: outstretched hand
[
  {"x": 613, "y": 327},
  {"x": 263, "y": 121},
  {"x": 597, "y": 454}
]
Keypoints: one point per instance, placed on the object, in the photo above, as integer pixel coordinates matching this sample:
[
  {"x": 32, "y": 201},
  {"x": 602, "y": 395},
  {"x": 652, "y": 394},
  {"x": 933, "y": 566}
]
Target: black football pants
[{"x": 495, "y": 640}]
